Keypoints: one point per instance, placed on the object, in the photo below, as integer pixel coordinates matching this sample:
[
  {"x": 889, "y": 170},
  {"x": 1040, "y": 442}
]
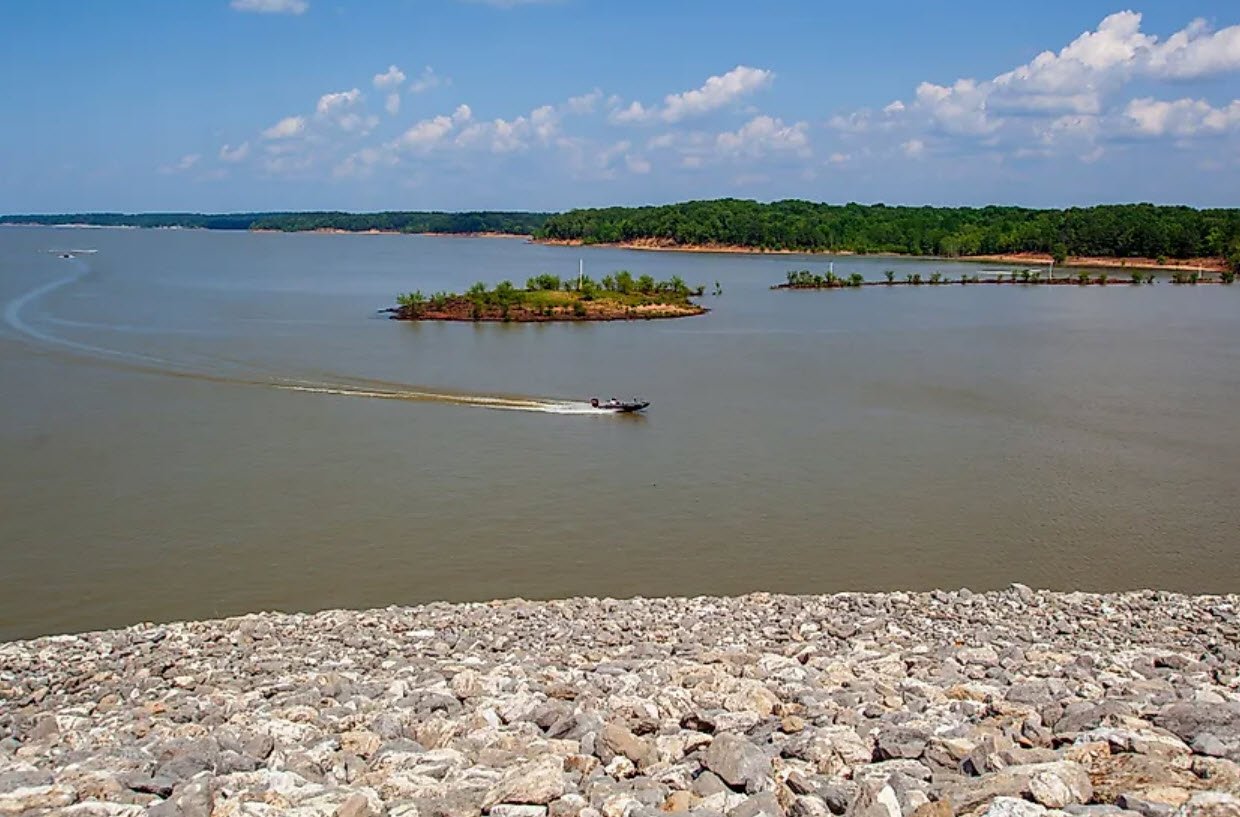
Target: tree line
[
  {"x": 516, "y": 223},
  {"x": 1123, "y": 230}
]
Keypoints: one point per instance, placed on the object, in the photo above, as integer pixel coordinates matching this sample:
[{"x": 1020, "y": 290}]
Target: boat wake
[{"x": 151, "y": 364}]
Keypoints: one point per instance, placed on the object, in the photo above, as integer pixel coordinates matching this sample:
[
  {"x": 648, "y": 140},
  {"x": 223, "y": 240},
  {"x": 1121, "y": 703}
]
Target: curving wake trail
[{"x": 13, "y": 317}]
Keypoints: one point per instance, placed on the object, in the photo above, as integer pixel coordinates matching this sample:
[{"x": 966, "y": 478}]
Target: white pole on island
[{"x": 581, "y": 272}]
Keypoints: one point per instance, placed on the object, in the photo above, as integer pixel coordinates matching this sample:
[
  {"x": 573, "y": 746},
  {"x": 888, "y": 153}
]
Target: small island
[{"x": 617, "y": 297}]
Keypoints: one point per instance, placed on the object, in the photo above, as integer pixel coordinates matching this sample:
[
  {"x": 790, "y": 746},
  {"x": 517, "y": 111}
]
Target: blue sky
[{"x": 228, "y": 105}]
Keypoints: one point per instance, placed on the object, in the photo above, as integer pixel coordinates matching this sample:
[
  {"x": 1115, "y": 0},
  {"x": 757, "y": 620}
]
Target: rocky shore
[{"x": 1009, "y": 704}]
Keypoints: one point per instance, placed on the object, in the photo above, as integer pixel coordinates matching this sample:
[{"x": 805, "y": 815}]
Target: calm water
[{"x": 154, "y": 463}]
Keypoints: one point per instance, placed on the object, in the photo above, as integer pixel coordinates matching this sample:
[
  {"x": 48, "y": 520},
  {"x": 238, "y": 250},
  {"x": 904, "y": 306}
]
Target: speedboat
[{"x": 619, "y": 406}]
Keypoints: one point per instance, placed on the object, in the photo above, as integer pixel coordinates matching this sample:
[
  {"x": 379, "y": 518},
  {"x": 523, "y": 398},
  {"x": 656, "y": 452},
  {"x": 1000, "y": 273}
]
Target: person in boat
[{"x": 594, "y": 402}]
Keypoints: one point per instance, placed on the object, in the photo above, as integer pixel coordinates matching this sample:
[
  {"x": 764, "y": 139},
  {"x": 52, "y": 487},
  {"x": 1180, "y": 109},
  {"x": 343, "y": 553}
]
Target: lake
[{"x": 198, "y": 424}]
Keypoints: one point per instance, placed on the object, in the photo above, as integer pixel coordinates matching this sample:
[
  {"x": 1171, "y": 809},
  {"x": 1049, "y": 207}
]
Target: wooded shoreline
[{"x": 1120, "y": 235}]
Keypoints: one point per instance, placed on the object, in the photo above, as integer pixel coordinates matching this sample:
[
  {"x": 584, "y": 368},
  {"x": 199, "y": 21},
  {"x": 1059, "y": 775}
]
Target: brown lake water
[{"x": 199, "y": 424}]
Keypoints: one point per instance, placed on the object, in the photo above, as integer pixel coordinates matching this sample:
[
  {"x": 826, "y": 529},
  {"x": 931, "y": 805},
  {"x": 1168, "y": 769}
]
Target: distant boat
[{"x": 619, "y": 406}]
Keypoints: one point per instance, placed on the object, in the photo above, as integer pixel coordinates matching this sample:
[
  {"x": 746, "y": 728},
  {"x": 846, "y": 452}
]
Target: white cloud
[
  {"x": 426, "y": 134},
  {"x": 228, "y": 153},
  {"x": 286, "y": 128},
  {"x": 390, "y": 78},
  {"x": 363, "y": 162},
  {"x": 1181, "y": 117},
  {"x": 635, "y": 112},
  {"x": 540, "y": 126},
  {"x": 343, "y": 110},
  {"x": 839, "y": 158},
  {"x": 1196, "y": 51},
  {"x": 585, "y": 103},
  {"x": 429, "y": 133},
  {"x": 427, "y": 80},
  {"x": 764, "y": 134},
  {"x": 636, "y": 164},
  {"x": 333, "y": 104},
  {"x": 271, "y": 6},
  {"x": 183, "y": 164},
  {"x": 716, "y": 92},
  {"x": 1065, "y": 101},
  {"x": 392, "y": 104}
]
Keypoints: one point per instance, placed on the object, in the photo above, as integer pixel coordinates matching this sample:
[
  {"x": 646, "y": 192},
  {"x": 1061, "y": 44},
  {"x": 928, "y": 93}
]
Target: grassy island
[
  {"x": 805, "y": 279},
  {"x": 619, "y": 296}
]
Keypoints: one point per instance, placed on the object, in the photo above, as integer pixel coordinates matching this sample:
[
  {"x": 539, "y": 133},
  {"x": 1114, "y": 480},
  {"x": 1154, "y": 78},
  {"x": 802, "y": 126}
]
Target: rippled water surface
[{"x": 196, "y": 424}]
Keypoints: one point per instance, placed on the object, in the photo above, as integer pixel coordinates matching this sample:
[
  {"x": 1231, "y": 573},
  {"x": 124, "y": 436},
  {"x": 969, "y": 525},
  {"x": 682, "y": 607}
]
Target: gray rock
[
  {"x": 509, "y": 810},
  {"x": 616, "y": 740},
  {"x": 875, "y": 801},
  {"x": 740, "y": 764},
  {"x": 901, "y": 742},
  {"x": 1207, "y": 744},
  {"x": 807, "y": 805},
  {"x": 1145, "y": 807},
  {"x": 535, "y": 783},
  {"x": 1187, "y": 721},
  {"x": 763, "y": 804},
  {"x": 1013, "y": 807}
]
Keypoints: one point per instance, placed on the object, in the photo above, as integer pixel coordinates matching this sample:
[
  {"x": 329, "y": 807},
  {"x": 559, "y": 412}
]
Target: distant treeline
[
  {"x": 403, "y": 222},
  {"x": 1124, "y": 231}
]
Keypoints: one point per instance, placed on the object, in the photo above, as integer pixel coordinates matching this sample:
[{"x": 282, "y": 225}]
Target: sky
[{"x": 248, "y": 105}]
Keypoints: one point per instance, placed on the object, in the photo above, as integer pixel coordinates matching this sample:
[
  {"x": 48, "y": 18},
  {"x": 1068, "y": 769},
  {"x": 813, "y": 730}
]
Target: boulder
[{"x": 738, "y": 762}]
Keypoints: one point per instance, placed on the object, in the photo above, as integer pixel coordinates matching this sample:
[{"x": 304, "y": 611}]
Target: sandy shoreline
[{"x": 1028, "y": 259}]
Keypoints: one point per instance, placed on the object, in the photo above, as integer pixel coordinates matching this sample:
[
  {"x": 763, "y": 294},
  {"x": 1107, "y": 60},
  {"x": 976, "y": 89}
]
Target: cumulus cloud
[
  {"x": 344, "y": 110},
  {"x": 636, "y": 164},
  {"x": 717, "y": 92},
  {"x": 391, "y": 78},
  {"x": 183, "y": 164},
  {"x": 1181, "y": 117},
  {"x": 333, "y": 104},
  {"x": 286, "y": 128},
  {"x": 1066, "y": 98},
  {"x": 392, "y": 104},
  {"x": 1196, "y": 51},
  {"x": 764, "y": 134},
  {"x": 635, "y": 112},
  {"x": 228, "y": 153},
  {"x": 427, "y": 80},
  {"x": 541, "y": 126},
  {"x": 428, "y": 133},
  {"x": 271, "y": 6},
  {"x": 585, "y": 103}
]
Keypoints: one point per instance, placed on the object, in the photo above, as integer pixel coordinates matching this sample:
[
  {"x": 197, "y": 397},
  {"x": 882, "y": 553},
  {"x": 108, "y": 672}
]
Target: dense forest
[
  {"x": 1121, "y": 230},
  {"x": 1124, "y": 231},
  {"x": 404, "y": 222}
]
